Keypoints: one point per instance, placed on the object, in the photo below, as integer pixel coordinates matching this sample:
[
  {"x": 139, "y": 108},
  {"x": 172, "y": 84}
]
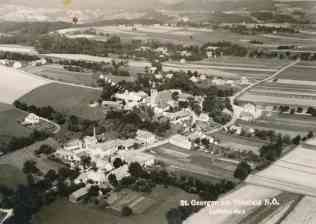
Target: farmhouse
[
  {"x": 31, "y": 119},
  {"x": 96, "y": 177},
  {"x": 250, "y": 112},
  {"x": 143, "y": 159},
  {"x": 131, "y": 99},
  {"x": 145, "y": 137}
]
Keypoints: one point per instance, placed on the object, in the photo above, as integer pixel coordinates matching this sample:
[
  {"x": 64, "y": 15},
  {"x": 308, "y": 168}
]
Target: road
[{"x": 234, "y": 97}]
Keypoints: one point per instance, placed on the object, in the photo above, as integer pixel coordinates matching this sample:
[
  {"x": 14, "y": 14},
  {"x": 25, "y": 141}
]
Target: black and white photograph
[{"x": 158, "y": 112}]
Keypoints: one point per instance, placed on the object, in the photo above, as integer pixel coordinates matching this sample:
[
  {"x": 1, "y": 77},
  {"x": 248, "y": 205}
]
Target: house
[
  {"x": 112, "y": 105},
  {"x": 162, "y": 50},
  {"x": 17, "y": 65},
  {"x": 236, "y": 129},
  {"x": 78, "y": 195},
  {"x": 142, "y": 158},
  {"x": 120, "y": 172},
  {"x": 183, "y": 61},
  {"x": 131, "y": 99},
  {"x": 194, "y": 79},
  {"x": 180, "y": 141},
  {"x": 250, "y": 112},
  {"x": 92, "y": 177},
  {"x": 31, "y": 119},
  {"x": 145, "y": 137}
]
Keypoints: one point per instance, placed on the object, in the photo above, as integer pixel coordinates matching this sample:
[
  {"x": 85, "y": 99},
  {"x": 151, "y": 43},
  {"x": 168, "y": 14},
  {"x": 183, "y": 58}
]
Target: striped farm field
[
  {"x": 15, "y": 83},
  {"x": 300, "y": 72}
]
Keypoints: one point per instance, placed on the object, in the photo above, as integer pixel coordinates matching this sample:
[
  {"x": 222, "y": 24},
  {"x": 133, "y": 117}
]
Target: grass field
[
  {"x": 10, "y": 126},
  {"x": 57, "y": 72},
  {"x": 11, "y": 176},
  {"x": 305, "y": 73},
  {"x": 18, "y": 157},
  {"x": 63, "y": 212},
  {"x": 16, "y": 83},
  {"x": 68, "y": 99}
]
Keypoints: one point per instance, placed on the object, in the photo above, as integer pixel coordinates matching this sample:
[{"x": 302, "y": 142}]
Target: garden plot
[
  {"x": 15, "y": 83},
  {"x": 295, "y": 172},
  {"x": 303, "y": 213}
]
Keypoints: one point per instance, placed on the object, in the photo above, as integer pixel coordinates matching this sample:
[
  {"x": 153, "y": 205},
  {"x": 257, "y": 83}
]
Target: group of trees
[
  {"x": 128, "y": 122},
  {"x": 214, "y": 106},
  {"x": 74, "y": 123},
  {"x": 18, "y": 56},
  {"x": 16, "y": 143},
  {"x": 45, "y": 112},
  {"x": 27, "y": 200}
]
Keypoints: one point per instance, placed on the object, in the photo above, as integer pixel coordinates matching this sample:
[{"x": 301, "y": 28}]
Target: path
[{"x": 234, "y": 97}]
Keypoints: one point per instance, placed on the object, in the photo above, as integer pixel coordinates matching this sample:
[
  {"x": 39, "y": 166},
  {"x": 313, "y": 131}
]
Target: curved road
[{"x": 234, "y": 97}]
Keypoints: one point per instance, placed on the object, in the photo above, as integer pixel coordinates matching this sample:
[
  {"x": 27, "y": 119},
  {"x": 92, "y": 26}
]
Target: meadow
[{"x": 72, "y": 100}]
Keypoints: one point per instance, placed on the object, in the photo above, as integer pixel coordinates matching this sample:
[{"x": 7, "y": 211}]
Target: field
[
  {"x": 300, "y": 72},
  {"x": 68, "y": 99},
  {"x": 64, "y": 212},
  {"x": 245, "y": 193},
  {"x": 17, "y": 49},
  {"x": 10, "y": 126},
  {"x": 193, "y": 161},
  {"x": 238, "y": 143},
  {"x": 16, "y": 83},
  {"x": 303, "y": 213},
  {"x": 84, "y": 57},
  {"x": 294, "y": 172},
  {"x": 11, "y": 176},
  {"x": 189, "y": 35},
  {"x": 57, "y": 72},
  {"x": 18, "y": 157}
]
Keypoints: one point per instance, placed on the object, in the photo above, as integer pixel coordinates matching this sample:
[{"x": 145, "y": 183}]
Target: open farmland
[
  {"x": 193, "y": 161},
  {"x": 303, "y": 213},
  {"x": 57, "y": 72},
  {"x": 300, "y": 72},
  {"x": 18, "y": 158},
  {"x": 10, "y": 126},
  {"x": 11, "y": 176},
  {"x": 18, "y": 49},
  {"x": 295, "y": 172},
  {"x": 238, "y": 143},
  {"x": 16, "y": 83},
  {"x": 67, "y": 99}
]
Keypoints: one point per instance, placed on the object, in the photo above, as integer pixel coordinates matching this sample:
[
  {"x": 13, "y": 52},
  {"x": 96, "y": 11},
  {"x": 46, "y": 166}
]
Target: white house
[
  {"x": 95, "y": 177},
  {"x": 31, "y": 119},
  {"x": 180, "y": 141},
  {"x": 250, "y": 112},
  {"x": 17, "y": 65},
  {"x": 145, "y": 137}
]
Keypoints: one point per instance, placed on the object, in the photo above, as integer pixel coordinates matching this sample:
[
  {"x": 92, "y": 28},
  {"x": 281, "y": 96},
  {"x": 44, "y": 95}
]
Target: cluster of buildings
[{"x": 102, "y": 155}]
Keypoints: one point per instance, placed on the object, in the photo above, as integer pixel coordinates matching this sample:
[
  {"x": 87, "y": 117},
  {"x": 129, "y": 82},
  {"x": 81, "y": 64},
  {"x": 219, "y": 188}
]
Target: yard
[{"x": 72, "y": 100}]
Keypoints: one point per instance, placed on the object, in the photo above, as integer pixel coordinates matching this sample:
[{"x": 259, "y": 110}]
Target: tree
[
  {"x": 113, "y": 180},
  {"x": 51, "y": 175},
  {"x": 118, "y": 162},
  {"x": 29, "y": 167},
  {"x": 126, "y": 211},
  {"x": 310, "y": 135},
  {"x": 85, "y": 161},
  {"x": 136, "y": 170},
  {"x": 242, "y": 171},
  {"x": 296, "y": 140}
]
